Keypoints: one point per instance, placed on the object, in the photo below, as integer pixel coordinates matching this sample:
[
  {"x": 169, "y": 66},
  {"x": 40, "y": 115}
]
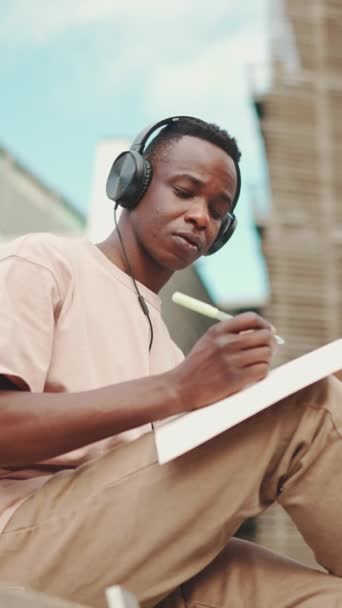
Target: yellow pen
[{"x": 205, "y": 309}]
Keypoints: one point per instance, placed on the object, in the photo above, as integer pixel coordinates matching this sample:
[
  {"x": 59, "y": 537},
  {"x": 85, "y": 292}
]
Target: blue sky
[{"x": 75, "y": 71}]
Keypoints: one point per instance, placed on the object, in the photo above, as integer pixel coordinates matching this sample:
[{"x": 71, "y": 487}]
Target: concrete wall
[{"x": 26, "y": 205}]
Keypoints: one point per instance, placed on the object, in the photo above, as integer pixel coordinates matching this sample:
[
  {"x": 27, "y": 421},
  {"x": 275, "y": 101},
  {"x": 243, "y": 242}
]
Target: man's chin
[
  {"x": 175, "y": 259},
  {"x": 175, "y": 262}
]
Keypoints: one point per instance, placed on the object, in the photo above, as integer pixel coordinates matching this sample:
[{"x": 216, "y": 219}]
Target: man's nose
[{"x": 198, "y": 213}]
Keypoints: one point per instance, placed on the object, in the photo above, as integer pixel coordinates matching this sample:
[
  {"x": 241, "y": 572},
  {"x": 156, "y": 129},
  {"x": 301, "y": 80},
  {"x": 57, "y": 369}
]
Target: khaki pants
[{"x": 164, "y": 531}]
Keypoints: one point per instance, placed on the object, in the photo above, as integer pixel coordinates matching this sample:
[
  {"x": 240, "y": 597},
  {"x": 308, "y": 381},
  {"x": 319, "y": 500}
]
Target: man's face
[{"x": 192, "y": 189}]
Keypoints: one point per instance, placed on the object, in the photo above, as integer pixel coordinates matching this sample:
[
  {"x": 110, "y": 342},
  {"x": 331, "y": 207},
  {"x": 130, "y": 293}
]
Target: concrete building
[
  {"x": 300, "y": 118},
  {"x": 301, "y": 122},
  {"x": 27, "y": 205}
]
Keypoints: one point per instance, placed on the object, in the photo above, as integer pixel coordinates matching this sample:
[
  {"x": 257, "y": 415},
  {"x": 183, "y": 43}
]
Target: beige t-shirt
[{"x": 70, "y": 321}]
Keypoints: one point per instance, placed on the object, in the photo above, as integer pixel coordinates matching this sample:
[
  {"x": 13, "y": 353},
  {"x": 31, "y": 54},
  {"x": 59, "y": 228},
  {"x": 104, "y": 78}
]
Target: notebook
[{"x": 179, "y": 434}]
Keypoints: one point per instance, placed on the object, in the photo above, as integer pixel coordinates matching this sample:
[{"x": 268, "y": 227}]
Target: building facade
[
  {"x": 27, "y": 205},
  {"x": 300, "y": 118},
  {"x": 301, "y": 121}
]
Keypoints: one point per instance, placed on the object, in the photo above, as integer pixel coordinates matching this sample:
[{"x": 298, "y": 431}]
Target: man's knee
[{"x": 315, "y": 394}]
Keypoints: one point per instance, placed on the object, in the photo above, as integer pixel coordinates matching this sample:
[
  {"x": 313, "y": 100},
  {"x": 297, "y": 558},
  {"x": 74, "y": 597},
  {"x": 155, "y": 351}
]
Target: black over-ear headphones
[{"x": 131, "y": 175}]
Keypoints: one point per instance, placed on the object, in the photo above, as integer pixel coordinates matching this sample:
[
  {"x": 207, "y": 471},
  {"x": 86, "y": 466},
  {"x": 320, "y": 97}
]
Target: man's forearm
[{"x": 37, "y": 426}]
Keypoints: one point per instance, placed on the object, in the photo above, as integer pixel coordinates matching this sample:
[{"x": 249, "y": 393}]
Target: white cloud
[
  {"x": 108, "y": 46},
  {"x": 104, "y": 48},
  {"x": 37, "y": 22},
  {"x": 215, "y": 81}
]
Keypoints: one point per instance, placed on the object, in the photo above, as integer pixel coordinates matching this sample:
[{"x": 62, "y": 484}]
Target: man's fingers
[
  {"x": 255, "y": 356},
  {"x": 232, "y": 343},
  {"x": 259, "y": 371},
  {"x": 244, "y": 322},
  {"x": 253, "y": 339}
]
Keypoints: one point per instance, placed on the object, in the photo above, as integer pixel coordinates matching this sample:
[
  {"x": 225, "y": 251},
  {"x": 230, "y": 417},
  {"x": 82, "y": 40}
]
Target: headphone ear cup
[
  {"x": 144, "y": 180},
  {"x": 225, "y": 233},
  {"x": 128, "y": 179}
]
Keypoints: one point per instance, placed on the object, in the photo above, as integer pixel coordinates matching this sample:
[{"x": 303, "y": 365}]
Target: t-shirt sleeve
[{"x": 29, "y": 299}]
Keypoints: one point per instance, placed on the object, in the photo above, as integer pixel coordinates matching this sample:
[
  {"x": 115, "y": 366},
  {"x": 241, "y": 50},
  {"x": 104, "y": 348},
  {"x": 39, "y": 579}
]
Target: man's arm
[{"x": 37, "y": 426}]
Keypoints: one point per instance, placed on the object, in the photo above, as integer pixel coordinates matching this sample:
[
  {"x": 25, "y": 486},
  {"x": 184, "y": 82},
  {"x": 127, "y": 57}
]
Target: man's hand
[{"x": 228, "y": 357}]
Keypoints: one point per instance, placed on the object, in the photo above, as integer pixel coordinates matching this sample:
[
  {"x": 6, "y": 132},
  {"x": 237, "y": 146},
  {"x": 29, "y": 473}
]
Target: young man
[{"x": 86, "y": 367}]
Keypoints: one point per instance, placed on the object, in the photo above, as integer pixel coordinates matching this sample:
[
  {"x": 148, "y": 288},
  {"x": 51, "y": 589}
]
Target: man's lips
[{"x": 193, "y": 239}]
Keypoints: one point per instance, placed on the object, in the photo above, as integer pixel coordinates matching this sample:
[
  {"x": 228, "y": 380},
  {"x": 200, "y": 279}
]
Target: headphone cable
[{"x": 141, "y": 299}]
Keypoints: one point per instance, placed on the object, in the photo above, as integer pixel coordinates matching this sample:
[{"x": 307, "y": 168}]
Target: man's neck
[{"x": 135, "y": 263}]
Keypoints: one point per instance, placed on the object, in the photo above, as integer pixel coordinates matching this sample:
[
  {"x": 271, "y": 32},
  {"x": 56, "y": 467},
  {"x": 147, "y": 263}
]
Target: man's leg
[
  {"x": 245, "y": 575},
  {"x": 124, "y": 519},
  {"x": 311, "y": 488}
]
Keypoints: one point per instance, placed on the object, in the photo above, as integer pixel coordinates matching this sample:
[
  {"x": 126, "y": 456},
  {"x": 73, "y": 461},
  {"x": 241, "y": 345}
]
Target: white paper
[{"x": 179, "y": 434}]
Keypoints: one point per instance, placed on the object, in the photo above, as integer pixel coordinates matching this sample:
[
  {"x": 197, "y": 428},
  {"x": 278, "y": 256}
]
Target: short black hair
[{"x": 194, "y": 127}]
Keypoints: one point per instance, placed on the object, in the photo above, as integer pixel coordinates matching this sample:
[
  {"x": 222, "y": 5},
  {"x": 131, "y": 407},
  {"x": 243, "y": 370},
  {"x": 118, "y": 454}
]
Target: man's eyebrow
[
  {"x": 195, "y": 180},
  {"x": 198, "y": 182}
]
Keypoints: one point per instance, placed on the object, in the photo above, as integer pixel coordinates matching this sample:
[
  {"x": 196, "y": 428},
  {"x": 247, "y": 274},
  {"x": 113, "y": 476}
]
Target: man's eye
[
  {"x": 181, "y": 193},
  {"x": 217, "y": 215}
]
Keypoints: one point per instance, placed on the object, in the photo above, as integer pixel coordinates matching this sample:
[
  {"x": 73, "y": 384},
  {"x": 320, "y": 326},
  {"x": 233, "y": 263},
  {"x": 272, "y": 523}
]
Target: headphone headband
[{"x": 141, "y": 139}]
